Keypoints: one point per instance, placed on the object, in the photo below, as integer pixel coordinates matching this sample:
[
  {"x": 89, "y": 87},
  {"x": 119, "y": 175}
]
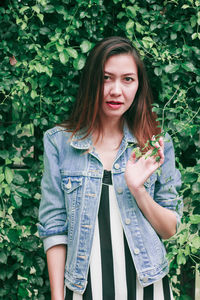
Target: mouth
[{"x": 114, "y": 102}]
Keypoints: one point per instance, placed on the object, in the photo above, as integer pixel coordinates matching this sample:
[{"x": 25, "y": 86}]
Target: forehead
[{"x": 123, "y": 63}]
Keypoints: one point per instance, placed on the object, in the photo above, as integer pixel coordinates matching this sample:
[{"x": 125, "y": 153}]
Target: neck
[
  {"x": 112, "y": 127},
  {"x": 111, "y": 130}
]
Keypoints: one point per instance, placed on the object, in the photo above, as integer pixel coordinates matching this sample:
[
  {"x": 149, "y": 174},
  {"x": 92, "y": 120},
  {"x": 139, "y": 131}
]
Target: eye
[
  {"x": 106, "y": 77},
  {"x": 128, "y": 79}
]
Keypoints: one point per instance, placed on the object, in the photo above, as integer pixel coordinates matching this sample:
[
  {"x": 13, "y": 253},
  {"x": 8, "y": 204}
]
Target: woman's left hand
[{"x": 138, "y": 171}]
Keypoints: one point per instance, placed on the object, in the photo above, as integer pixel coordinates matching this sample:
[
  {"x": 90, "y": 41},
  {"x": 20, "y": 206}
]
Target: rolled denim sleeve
[
  {"x": 52, "y": 225},
  {"x": 168, "y": 182}
]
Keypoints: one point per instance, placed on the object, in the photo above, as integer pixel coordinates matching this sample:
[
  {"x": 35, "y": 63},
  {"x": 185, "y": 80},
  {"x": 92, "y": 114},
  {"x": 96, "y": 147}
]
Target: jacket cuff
[
  {"x": 178, "y": 219},
  {"x": 54, "y": 240}
]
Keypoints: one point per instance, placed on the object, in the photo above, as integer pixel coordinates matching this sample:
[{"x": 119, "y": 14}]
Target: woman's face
[{"x": 120, "y": 85}]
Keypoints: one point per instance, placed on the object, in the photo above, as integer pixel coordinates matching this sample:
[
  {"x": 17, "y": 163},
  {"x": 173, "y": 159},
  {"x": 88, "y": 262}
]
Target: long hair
[{"x": 85, "y": 114}]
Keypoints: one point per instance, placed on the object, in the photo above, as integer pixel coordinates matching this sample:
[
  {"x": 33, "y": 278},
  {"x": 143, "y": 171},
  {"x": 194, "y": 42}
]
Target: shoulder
[
  {"x": 56, "y": 136},
  {"x": 55, "y": 131}
]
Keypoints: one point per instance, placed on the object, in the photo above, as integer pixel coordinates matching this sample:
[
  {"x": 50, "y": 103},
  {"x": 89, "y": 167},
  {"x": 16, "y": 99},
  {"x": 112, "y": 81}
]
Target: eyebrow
[{"x": 125, "y": 74}]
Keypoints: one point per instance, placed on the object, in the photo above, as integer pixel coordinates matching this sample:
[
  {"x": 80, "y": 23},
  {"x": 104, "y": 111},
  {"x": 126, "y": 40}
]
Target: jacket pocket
[{"x": 69, "y": 184}]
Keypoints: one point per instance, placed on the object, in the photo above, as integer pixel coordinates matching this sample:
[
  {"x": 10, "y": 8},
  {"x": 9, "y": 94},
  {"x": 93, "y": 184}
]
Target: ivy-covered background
[{"x": 43, "y": 47}]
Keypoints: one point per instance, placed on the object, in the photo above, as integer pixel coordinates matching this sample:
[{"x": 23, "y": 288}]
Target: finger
[
  {"x": 133, "y": 157},
  {"x": 161, "y": 155},
  {"x": 157, "y": 153},
  {"x": 161, "y": 149},
  {"x": 161, "y": 142}
]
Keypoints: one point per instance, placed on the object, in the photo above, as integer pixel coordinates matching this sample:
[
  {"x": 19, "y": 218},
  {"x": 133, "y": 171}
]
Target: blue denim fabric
[{"x": 71, "y": 188}]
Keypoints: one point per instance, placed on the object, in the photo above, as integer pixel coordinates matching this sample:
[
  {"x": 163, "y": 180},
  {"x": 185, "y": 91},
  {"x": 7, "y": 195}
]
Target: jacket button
[
  {"x": 119, "y": 190},
  {"x": 69, "y": 185},
  {"x": 127, "y": 221},
  {"x": 136, "y": 250},
  {"x": 145, "y": 279},
  {"x": 117, "y": 166}
]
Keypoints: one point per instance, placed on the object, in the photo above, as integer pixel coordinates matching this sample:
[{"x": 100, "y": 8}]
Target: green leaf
[
  {"x": 41, "y": 17},
  {"x": 3, "y": 257},
  {"x": 158, "y": 71},
  {"x": 4, "y": 154},
  {"x": 196, "y": 242},
  {"x": 121, "y": 15},
  {"x": 59, "y": 47},
  {"x": 3, "y": 275},
  {"x": 33, "y": 83},
  {"x": 7, "y": 190},
  {"x": 72, "y": 52},
  {"x": 16, "y": 201},
  {"x": 2, "y": 177},
  {"x": 195, "y": 219},
  {"x": 173, "y": 36},
  {"x": 190, "y": 177},
  {"x": 132, "y": 11},
  {"x": 19, "y": 179},
  {"x": 23, "y": 9},
  {"x": 34, "y": 94},
  {"x": 196, "y": 187},
  {"x": 8, "y": 175},
  {"x": 24, "y": 192},
  {"x": 44, "y": 30},
  {"x": 64, "y": 57},
  {"x": 85, "y": 46},
  {"x": 172, "y": 68},
  {"x": 79, "y": 62},
  {"x": 188, "y": 66},
  {"x": 181, "y": 260},
  {"x": 13, "y": 235},
  {"x": 193, "y": 21},
  {"x": 11, "y": 129},
  {"x": 49, "y": 8},
  {"x": 60, "y": 9},
  {"x": 39, "y": 264},
  {"x": 129, "y": 25},
  {"x": 30, "y": 243},
  {"x": 39, "y": 67},
  {"x": 155, "y": 51},
  {"x": 194, "y": 35},
  {"x": 23, "y": 292},
  {"x": 185, "y": 6},
  {"x": 36, "y": 9},
  {"x": 183, "y": 237}
]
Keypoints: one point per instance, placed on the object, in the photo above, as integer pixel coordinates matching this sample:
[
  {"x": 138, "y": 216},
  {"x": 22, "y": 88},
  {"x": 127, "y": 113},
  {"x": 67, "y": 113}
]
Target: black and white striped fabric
[{"x": 112, "y": 274}]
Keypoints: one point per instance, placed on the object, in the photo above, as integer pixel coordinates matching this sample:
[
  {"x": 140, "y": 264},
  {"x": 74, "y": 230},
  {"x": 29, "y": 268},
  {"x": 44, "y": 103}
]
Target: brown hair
[{"x": 139, "y": 117}]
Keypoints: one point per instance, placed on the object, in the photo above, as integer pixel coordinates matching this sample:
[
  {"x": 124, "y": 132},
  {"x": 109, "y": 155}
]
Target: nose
[{"x": 116, "y": 88}]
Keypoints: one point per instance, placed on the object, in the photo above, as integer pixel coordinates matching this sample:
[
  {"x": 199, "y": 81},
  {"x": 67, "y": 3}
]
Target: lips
[{"x": 114, "y": 104}]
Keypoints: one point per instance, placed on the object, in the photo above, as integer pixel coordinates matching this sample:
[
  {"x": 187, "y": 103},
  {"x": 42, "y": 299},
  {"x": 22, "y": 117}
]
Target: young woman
[{"x": 104, "y": 209}]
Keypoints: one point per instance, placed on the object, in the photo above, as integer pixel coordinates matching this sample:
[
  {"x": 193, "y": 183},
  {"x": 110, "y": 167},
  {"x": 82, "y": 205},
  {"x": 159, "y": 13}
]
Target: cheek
[
  {"x": 132, "y": 93},
  {"x": 105, "y": 91}
]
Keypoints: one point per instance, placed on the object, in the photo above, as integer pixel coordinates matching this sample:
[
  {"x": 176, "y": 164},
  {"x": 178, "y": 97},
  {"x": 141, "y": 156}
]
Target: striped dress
[{"x": 112, "y": 274}]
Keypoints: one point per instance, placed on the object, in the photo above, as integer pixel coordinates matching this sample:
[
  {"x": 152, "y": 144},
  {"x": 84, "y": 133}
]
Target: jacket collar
[
  {"x": 79, "y": 142},
  {"x": 128, "y": 135}
]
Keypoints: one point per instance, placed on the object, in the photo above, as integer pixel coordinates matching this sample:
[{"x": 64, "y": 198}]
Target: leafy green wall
[{"x": 43, "y": 47}]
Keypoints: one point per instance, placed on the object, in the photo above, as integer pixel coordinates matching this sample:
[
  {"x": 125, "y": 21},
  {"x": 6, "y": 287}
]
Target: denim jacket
[{"x": 71, "y": 188}]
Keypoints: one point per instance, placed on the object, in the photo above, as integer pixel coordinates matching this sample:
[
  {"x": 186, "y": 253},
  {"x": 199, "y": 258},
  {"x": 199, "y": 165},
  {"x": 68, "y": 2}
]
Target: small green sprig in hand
[
  {"x": 152, "y": 143},
  {"x": 137, "y": 152}
]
